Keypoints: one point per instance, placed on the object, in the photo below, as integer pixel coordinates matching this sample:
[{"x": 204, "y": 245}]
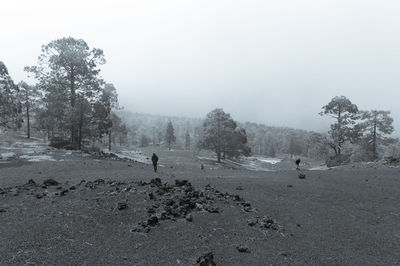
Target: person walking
[
  {"x": 154, "y": 159},
  {"x": 301, "y": 174}
]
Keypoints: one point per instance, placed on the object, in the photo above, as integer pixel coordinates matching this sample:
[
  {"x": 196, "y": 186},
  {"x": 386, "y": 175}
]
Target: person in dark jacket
[
  {"x": 298, "y": 163},
  {"x": 301, "y": 174},
  {"x": 154, "y": 158}
]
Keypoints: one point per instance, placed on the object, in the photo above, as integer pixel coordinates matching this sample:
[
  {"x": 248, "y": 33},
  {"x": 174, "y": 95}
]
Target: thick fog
[{"x": 273, "y": 62}]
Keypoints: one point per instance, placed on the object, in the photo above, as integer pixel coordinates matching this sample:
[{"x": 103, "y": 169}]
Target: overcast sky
[{"x": 274, "y": 62}]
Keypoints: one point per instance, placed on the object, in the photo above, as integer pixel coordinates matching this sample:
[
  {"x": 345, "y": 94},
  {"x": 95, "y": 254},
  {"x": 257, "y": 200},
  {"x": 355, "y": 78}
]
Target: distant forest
[{"x": 146, "y": 129}]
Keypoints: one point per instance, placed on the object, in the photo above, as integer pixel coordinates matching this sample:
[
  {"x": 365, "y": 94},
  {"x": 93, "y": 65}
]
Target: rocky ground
[{"x": 102, "y": 211}]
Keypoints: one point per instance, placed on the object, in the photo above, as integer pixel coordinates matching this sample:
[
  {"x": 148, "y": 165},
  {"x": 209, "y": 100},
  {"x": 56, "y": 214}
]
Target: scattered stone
[
  {"x": 72, "y": 188},
  {"x": 189, "y": 217},
  {"x": 180, "y": 182},
  {"x": 2, "y": 210},
  {"x": 64, "y": 192},
  {"x": 237, "y": 198},
  {"x": 252, "y": 222},
  {"x": 156, "y": 181},
  {"x": 31, "y": 182},
  {"x": 50, "y": 182},
  {"x": 151, "y": 210},
  {"x": 122, "y": 206},
  {"x": 239, "y": 188},
  {"x": 247, "y": 206},
  {"x": 135, "y": 229},
  {"x": 152, "y": 221},
  {"x": 169, "y": 202},
  {"x": 283, "y": 253},
  {"x": 164, "y": 215},
  {"x": 243, "y": 249},
  {"x": 211, "y": 209},
  {"x": 268, "y": 223},
  {"x": 206, "y": 260},
  {"x": 15, "y": 192},
  {"x": 289, "y": 185},
  {"x": 142, "y": 183},
  {"x": 39, "y": 196},
  {"x": 151, "y": 196},
  {"x": 302, "y": 176}
]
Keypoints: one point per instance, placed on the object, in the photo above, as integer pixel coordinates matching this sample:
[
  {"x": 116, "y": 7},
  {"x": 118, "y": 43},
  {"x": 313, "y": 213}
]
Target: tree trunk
[
  {"x": 79, "y": 137},
  {"x": 340, "y": 133},
  {"x": 80, "y": 131},
  {"x": 218, "y": 143},
  {"x": 27, "y": 120},
  {"x": 73, "y": 96},
  {"x": 109, "y": 140},
  {"x": 374, "y": 142}
]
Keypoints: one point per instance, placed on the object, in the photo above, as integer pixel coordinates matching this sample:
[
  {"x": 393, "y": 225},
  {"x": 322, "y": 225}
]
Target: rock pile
[
  {"x": 264, "y": 223},
  {"x": 171, "y": 202}
]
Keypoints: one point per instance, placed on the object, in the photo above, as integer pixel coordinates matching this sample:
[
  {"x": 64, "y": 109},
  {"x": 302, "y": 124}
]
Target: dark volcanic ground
[{"x": 334, "y": 217}]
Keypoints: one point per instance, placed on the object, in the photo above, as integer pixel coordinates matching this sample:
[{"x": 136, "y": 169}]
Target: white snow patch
[
  {"x": 269, "y": 160},
  {"x": 137, "y": 156},
  {"x": 7, "y": 155},
  {"x": 321, "y": 167},
  {"x": 37, "y": 158},
  {"x": 256, "y": 167},
  {"x": 207, "y": 158}
]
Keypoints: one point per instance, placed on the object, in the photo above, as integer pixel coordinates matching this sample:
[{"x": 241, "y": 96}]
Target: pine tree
[
  {"x": 187, "y": 141},
  {"x": 10, "y": 106},
  {"x": 346, "y": 114},
  {"x": 376, "y": 124},
  {"x": 169, "y": 135},
  {"x": 68, "y": 72},
  {"x": 221, "y": 135}
]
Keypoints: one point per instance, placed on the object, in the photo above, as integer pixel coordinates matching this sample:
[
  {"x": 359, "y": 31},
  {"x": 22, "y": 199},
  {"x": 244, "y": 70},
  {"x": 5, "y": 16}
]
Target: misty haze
[{"x": 200, "y": 132}]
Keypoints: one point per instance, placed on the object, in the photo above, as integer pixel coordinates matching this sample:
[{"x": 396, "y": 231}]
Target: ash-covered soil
[{"x": 109, "y": 212}]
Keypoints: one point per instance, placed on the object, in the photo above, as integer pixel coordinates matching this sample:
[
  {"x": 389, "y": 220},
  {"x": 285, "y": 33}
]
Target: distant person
[
  {"x": 154, "y": 159},
  {"x": 298, "y": 163},
  {"x": 301, "y": 174}
]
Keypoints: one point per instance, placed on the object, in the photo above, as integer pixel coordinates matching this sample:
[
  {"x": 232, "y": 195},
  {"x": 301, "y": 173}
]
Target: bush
[
  {"x": 337, "y": 160},
  {"x": 60, "y": 143}
]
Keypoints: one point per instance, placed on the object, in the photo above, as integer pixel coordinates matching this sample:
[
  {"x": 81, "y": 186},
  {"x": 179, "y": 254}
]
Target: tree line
[{"x": 74, "y": 107}]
